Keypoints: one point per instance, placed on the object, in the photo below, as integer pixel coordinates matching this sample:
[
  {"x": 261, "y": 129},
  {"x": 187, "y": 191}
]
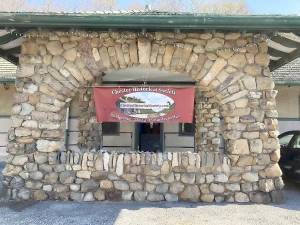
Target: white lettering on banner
[
  {"x": 143, "y": 106},
  {"x": 143, "y": 89}
]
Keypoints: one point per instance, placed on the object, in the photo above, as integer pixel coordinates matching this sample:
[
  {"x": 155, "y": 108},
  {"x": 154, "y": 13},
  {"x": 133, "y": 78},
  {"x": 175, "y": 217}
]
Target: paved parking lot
[{"x": 133, "y": 213}]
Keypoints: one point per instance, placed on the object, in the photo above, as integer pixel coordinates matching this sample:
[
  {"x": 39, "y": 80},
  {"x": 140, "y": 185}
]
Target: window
[
  {"x": 187, "y": 129},
  {"x": 110, "y": 128},
  {"x": 296, "y": 142},
  {"x": 285, "y": 140}
]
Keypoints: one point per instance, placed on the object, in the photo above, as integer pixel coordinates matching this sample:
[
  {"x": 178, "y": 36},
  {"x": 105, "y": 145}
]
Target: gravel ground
[{"x": 133, "y": 213}]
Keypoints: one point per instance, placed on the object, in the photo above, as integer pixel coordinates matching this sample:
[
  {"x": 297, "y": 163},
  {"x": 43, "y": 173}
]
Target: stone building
[{"x": 235, "y": 147}]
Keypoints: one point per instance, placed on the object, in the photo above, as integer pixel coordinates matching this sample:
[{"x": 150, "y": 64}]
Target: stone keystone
[
  {"x": 144, "y": 50},
  {"x": 213, "y": 72}
]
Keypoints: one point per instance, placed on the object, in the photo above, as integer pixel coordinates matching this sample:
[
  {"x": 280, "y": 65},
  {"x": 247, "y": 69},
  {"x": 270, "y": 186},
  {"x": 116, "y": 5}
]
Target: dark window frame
[
  {"x": 182, "y": 132},
  {"x": 111, "y": 132}
]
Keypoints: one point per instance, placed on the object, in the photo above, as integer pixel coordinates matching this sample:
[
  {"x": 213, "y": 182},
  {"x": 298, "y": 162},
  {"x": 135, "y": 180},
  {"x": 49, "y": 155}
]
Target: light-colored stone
[
  {"x": 207, "y": 197},
  {"x": 234, "y": 97},
  {"x": 239, "y": 147},
  {"x": 241, "y": 197},
  {"x": 54, "y": 47},
  {"x": 99, "y": 195},
  {"x": 26, "y": 109},
  {"x": 171, "y": 197},
  {"x": 84, "y": 174},
  {"x": 58, "y": 61},
  {"x": 154, "y": 197},
  {"x": 253, "y": 70},
  {"x": 105, "y": 161},
  {"x": 162, "y": 188},
  {"x": 96, "y": 54},
  {"x": 250, "y": 177},
  {"x": 39, "y": 195},
  {"x": 266, "y": 185},
  {"x": 168, "y": 56},
  {"x": 47, "y": 146},
  {"x": 262, "y": 59},
  {"x": 222, "y": 178},
  {"x": 273, "y": 171},
  {"x": 76, "y": 196},
  {"x": 144, "y": 51},
  {"x": 165, "y": 168},
  {"x": 213, "y": 72},
  {"x": 25, "y": 70},
  {"x": 190, "y": 193},
  {"x": 19, "y": 160},
  {"x": 89, "y": 185},
  {"x": 70, "y": 54},
  {"x": 214, "y": 44},
  {"x": 140, "y": 195},
  {"x": 106, "y": 184},
  {"x": 233, "y": 187},
  {"x": 119, "y": 166},
  {"x": 88, "y": 197},
  {"x": 176, "y": 187},
  {"x": 127, "y": 195},
  {"x": 217, "y": 188},
  {"x": 256, "y": 145},
  {"x": 121, "y": 185},
  {"x": 265, "y": 83},
  {"x": 188, "y": 178},
  {"x": 30, "y": 124}
]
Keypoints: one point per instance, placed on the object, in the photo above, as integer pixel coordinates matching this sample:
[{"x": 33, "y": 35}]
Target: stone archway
[{"x": 232, "y": 74}]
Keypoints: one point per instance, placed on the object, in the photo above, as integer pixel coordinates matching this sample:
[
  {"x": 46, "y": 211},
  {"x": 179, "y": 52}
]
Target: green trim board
[
  {"x": 288, "y": 119},
  {"x": 288, "y": 83},
  {"x": 7, "y": 81},
  {"x": 151, "y": 20},
  {"x": 279, "y": 83}
]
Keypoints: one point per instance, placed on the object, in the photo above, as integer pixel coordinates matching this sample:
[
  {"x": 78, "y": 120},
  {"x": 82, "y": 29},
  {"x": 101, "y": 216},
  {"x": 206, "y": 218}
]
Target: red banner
[{"x": 144, "y": 104}]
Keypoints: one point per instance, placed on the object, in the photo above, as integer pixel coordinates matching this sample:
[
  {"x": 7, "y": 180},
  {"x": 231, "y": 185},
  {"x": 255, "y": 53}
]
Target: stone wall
[
  {"x": 137, "y": 176},
  {"x": 235, "y": 99}
]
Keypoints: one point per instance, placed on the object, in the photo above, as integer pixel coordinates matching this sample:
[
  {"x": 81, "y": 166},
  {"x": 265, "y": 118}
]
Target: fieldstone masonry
[{"x": 235, "y": 99}]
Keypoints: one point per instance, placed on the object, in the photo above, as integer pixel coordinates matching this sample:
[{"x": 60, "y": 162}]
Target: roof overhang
[
  {"x": 13, "y": 25},
  {"x": 151, "y": 20}
]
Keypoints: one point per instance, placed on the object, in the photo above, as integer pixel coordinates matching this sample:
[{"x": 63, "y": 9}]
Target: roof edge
[{"x": 156, "y": 21}]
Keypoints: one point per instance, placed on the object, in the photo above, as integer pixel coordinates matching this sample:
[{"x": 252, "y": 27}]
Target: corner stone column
[
  {"x": 251, "y": 130},
  {"x": 90, "y": 130},
  {"x": 35, "y": 137}
]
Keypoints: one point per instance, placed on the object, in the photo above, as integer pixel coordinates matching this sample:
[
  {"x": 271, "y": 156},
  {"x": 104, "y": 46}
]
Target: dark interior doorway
[{"x": 149, "y": 137}]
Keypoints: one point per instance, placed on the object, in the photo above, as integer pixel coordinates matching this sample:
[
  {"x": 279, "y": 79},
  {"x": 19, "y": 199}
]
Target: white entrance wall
[{"x": 173, "y": 141}]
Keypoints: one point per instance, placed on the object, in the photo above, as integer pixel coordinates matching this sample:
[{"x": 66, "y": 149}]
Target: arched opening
[{"x": 133, "y": 136}]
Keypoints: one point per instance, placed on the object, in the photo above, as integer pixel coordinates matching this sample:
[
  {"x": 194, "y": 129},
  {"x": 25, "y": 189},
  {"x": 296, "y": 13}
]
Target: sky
[
  {"x": 274, "y": 6},
  {"x": 255, "y": 6}
]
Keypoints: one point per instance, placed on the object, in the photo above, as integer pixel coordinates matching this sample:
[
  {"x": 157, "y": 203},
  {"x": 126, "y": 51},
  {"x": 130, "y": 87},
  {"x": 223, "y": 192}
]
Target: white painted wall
[
  {"x": 126, "y": 139},
  {"x": 285, "y": 125},
  {"x": 5, "y": 124}
]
